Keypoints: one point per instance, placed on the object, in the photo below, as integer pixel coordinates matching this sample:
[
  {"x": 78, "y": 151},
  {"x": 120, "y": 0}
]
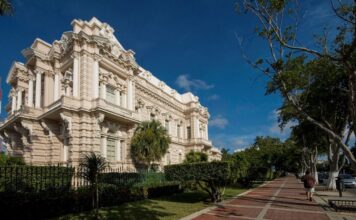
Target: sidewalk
[
  {"x": 281, "y": 199},
  {"x": 322, "y": 198}
]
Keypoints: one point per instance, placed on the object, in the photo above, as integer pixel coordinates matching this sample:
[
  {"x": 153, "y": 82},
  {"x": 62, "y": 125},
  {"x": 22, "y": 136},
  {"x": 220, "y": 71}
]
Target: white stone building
[{"x": 85, "y": 92}]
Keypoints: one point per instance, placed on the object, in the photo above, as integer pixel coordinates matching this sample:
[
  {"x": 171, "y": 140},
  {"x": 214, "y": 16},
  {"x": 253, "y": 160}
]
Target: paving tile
[
  {"x": 291, "y": 215},
  {"x": 282, "y": 199}
]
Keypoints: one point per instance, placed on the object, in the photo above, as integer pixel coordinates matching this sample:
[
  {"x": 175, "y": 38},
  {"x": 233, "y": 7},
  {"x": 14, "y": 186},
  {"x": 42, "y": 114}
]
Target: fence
[{"x": 39, "y": 178}]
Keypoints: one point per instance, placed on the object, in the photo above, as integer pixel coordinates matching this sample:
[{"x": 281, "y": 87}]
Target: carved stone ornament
[
  {"x": 47, "y": 129},
  {"x": 67, "y": 121},
  {"x": 65, "y": 43},
  {"x": 24, "y": 130},
  {"x": 99, "y": 120}
]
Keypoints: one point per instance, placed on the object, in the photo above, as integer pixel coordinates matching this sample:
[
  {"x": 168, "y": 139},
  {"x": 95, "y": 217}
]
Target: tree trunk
[
  {"x": 313, "y": 162},
  {"x": 333, "y": 157},
  {"x": 331, "y": 183}
]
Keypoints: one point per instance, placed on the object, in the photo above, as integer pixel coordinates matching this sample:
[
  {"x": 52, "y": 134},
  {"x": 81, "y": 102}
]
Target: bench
[{"x": 344, "y": 205}]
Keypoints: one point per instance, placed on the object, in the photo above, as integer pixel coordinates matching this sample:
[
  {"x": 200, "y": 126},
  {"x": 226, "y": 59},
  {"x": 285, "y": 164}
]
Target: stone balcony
[
  {"x": 99, "y": 104},
  {"x": 193, "y": 141},
  {"x": 200, "y": 141},
  {"x": 23, "y": 112}
]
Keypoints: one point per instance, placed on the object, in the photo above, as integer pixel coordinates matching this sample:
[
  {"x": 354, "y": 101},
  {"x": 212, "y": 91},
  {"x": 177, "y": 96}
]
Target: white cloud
[
  {"x": 213, "y": 97},
  {"x": 187, "y": 84},
  {"x": 275, "y": 130},
  {"x": 233, "y": 142},
  {"x": 219, "y": 122}
]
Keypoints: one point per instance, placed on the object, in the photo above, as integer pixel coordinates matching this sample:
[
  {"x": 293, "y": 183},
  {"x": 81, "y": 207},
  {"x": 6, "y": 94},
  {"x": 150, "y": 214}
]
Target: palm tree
[
  {"x": 5, "y": 7},
  {"x": 92, "y": 165},
  {"x": 149, "y": 143},
  {"x": 194, "y": 157}
]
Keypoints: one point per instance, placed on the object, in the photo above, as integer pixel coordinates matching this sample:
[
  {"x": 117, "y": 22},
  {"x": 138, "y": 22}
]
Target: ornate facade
[{"x": 85, "y": 92}]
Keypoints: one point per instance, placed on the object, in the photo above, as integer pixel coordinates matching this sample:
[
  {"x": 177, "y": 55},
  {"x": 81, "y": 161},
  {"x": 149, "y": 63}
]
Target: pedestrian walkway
[{"x": 281, "y": 199}]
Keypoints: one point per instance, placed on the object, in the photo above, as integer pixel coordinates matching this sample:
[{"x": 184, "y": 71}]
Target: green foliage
[
  {"x": 149, "y": 143},
  {"x": 317, "y": 81},
  {"x": 265, "y": 158},
  {"x": 193, "y": 157},
  {"x": 210, "y": 176},
  {"x": 10, "y": 160},
  {"x": 51, "y": 202},
  {"x": 92, "y": 165},
  {"x": 34, "y": 178},
  {"x": 5, "y": 7}
]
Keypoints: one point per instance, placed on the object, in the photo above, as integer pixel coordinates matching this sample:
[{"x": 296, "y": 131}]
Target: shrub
[
  {"x": 194, "y": 157},
  {"x": 10, "y": 160},
  {"x": 34, "y": 178},
  {"x": 210, "y": 176},
  {"x": 253, "y": 173},
  {"x": 120, "y": 179}
]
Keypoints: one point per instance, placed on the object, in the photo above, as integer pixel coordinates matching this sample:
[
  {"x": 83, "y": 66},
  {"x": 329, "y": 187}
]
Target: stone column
[
  {"x": 206, "y": 131},
  {"x": 48, "y": 89},
  {"x": 129, "y": 94},
  {"x": 38, "y": 90},
  {"x": 103, "y": 146},
  {"x": 196, "y": 127},
  {"x": 102, "y": 90},
  {"x": 123, "y": 99},
  {"x": 65, "y": 149},
  {"x": 56, "y": 86},
  {"x": 117, "y": 97},
  {"x": 19, "y": 99},
  {"x": 118, "y": 150},
  {"x": 13, "y": 103},
  {"x": 95, "y": 78},
  {"x": 75, "y": 75},
  {"x": 30, "y": 93}
]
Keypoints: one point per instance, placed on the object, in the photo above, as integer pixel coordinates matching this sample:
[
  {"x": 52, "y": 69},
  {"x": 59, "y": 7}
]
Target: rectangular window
[
  {"x": 110, "y": 149},
  {"x": 152, "y": 116},
  {"x": 189, "y": 132},
  {"x": 178, "y": 131},
  {"x": 167, "y": 126},
  {"x": 110, "y": 94}
]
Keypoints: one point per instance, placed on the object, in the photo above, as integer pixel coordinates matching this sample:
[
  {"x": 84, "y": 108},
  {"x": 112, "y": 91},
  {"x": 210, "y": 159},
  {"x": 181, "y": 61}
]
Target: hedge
[
  {"x": 34, "y": 178},
  {"x": 210, "y": 176},
  {"x": 52, "y": 203}
]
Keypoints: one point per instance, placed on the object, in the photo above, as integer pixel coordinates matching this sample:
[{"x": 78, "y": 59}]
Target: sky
[{"x": 191, "y": 45}]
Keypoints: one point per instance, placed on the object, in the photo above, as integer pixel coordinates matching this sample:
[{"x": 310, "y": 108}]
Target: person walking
[{"x": 309, "y": 183}]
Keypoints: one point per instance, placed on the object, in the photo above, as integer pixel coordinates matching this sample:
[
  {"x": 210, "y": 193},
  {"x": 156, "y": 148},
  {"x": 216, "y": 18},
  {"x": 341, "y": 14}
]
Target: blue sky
[{"x": 191, "y": 45}]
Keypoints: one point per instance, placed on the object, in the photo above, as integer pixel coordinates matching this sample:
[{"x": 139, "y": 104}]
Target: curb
[{"x": 198, "y": 213}]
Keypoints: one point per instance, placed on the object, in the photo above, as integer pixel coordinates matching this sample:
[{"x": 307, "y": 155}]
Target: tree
[
  {"x": 278, "y": 21},
  {"x": 193, "y": 157},
  {"x": 5, "y": 7},
  {"x": 311, "y": 140},
  {"x": 323, "y": 97},
  {"x": 225, "y": 154},
  {"x": 6, "y": 160},
  {"x": 91, "y": 166},
  {"x": 211, "y": 177},
  {"x": 149, "y": 143}
]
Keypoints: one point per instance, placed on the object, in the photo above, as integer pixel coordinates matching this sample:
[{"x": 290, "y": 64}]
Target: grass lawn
[{"x": 168, "y": 207}]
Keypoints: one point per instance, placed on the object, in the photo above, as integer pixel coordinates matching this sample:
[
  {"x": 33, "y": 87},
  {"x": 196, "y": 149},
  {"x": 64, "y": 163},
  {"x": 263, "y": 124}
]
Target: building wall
[{"x": 71, "y": 95}]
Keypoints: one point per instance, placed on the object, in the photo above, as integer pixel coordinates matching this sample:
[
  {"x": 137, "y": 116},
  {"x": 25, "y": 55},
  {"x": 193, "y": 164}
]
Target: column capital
[
  {"x": 96, "y": 57},
  {"x": 48, "y": 73},
  {"x": 20, "y": 89},
  {"x": 75, "y": 55},
  {"x": 131, "y": 77},
  {"x": 31, "y": 77}
]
